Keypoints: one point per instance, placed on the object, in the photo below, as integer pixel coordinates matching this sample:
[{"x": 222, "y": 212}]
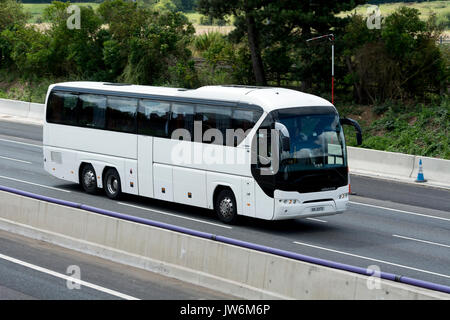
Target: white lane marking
[
  {"x": 34, "y": 184},
  {"x": 318, "y": 220},
  {"x": 424, "y": 241},
  {"x": 402, "y": 211},
  {"x": 175, "y": 215},
  {"x": 65, "y": 277},
  {"x": 17, "y": 160},
  {"x": 24, "y": 143},
  {"x": 372, "y": 259}
]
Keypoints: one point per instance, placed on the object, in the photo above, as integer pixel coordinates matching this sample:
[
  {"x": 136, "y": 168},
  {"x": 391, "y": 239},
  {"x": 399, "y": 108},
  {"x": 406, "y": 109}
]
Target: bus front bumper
[{"x": 292, "y": 205}]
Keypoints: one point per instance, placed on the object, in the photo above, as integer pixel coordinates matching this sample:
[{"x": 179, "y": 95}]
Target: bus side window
[
  {"x": 213, "y": 117},
  {"x": 61, "y": 108},
  {"x": 93, "y": 111},
  {"x": 121, "y": 114},
  {"x": 153, "y": 118},
  {"x": 182, "y": 117},
  {"x": 244, "y": 119}
]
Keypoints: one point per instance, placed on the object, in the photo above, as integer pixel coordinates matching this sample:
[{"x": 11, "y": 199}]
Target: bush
[
  {"x": 400, "y": 61},
  {"x": 415, "y": 129},
  {"x": 75, "y": 51},
  {"x": 11, "y": 13},
  {"x": 209, "y": 21},
  {"x": 29, "y": 50},
  {"x": 145, "y": 44}
]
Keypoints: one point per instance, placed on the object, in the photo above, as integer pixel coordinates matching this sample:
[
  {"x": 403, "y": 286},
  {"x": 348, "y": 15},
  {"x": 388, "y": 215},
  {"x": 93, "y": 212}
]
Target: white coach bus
[{"x": 124, "y": 139}]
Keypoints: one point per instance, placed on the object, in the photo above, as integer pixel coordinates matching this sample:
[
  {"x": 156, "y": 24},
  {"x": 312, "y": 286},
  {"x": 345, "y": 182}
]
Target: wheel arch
[{"x": 224, "y": 186}]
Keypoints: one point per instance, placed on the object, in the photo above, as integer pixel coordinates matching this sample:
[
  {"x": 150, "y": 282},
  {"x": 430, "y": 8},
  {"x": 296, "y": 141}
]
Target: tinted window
[
  {"x": 245, "y": 119},
  {"x": 153, "y": 118},
  {"x": 215, "y": 118},
  {"x": 182, "y": 117},
  {"x": 92, "y": 111},
  {"x": 61, "y": 108},
  {"x": 121, "y": 114}
]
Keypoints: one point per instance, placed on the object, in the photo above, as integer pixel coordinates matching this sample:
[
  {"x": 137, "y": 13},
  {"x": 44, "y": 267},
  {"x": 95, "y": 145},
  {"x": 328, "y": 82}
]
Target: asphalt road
[
  {"x": 31, "y": 269},
  {"x": 401, "y": 228}
]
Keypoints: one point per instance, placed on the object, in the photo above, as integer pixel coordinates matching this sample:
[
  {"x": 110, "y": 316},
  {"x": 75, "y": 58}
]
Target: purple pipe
[
  {"x": 298, "y": 256},
  {"x": 39, "y": 197},
  {"x": 235, "y": 242}
]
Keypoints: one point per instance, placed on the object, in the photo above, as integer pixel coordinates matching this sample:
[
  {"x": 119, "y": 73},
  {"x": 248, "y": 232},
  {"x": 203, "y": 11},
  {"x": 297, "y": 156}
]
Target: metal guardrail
[{"x": 235, "y": 242}]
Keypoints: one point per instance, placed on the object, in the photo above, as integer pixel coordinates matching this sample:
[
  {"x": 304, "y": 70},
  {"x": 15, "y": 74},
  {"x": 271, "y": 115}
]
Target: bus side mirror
[{"x": 355, "y": 124}]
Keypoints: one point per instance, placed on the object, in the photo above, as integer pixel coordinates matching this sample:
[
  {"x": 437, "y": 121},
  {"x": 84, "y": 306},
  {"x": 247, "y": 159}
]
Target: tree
[
  {"x": 402, "y": 60},
  {"x": 168, "y": 5},
  {"x": 12, "y": 17},
  {"x": 245, "y": 10},
  {"x": 75, "y": 51},
  {"x": 273, "y": 26},
  {"x": 145, "y": 44},
  {"x": 11, "y": 13},
  {"x": 29, "y": 50}
]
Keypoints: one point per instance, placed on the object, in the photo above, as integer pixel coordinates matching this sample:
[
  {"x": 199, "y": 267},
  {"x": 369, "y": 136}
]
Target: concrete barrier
[
  {"x": 231, "y": 269},
  {"x": 14, "y": 108},
  {"x": 36, "y": 111},
  {"x": 391, "y": 163},
  {"x": 398, "y": 165},
  {"x": 22, "y": 109},
  {"x": 434, "y": 169}
]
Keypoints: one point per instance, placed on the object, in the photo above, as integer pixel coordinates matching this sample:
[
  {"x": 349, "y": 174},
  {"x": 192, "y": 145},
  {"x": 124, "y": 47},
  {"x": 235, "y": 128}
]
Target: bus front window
[{"x": 310, "y": 141}]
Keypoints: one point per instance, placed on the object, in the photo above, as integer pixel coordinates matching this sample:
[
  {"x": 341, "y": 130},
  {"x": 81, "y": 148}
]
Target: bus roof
[{"x": 269, "y": 98}]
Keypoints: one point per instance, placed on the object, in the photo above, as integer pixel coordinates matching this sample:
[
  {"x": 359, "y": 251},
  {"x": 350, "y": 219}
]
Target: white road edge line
[
  {"x": 419, "y": 240},
  {"x": 34, "y": 184},
  {"x": 68, "y": 278},
  {"x": 24, "y": 143},
  {"x": 175, "y": 215},
  {"x": 372, "y": 259},
  {"x": 318, "y": 220},
  {"x": 402, "y": 211},
  {"x": 17, "y": 160}
]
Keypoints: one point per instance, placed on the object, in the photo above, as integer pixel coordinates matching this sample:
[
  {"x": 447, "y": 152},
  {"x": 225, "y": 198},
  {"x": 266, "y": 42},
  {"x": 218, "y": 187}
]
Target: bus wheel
[
  {"x": 89, "y": 179},
  {"x": 225, "y": 206},
  {"x": 112, "y": 184}
]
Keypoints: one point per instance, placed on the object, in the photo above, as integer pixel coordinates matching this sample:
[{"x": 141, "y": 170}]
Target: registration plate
[{"x": 317, "y": 209}]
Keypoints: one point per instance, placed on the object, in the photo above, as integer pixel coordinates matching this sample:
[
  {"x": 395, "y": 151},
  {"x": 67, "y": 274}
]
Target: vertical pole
[{"x": 332, "y": 70}]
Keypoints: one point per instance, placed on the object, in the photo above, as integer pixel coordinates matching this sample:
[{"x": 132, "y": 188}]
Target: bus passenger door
[{"x": 145, "y": 166}]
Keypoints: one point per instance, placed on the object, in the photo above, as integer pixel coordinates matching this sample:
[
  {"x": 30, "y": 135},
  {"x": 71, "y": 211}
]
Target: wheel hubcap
[
  {"x": 89, "y": 178},
  {"x": 112, "y": 185},
  {"x": 226, "y": 208}
]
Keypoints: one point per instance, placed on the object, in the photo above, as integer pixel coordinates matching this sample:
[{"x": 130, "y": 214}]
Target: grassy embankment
[{"x": 420, "y": 129}]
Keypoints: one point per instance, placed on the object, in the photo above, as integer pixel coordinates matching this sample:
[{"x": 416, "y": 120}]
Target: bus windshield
[{"x": 310, "y": 141}]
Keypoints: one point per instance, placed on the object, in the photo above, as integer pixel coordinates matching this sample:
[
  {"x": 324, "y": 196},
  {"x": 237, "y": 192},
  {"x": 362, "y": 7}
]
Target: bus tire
[
  {"x": 88, "y": 179},
  {"x": 112, "y": 184},
  {"x": 225, "y": 207}
]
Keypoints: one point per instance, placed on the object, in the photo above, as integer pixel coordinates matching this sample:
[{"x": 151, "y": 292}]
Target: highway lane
[
  {"x": 32, "y": 269},
  {"x": 402, "y": 228}
]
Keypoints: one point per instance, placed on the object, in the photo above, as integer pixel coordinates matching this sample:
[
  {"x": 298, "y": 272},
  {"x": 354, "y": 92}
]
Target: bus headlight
[
  {"x": 288, "y": 201},
  {"x": 343, "y": 196}
]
